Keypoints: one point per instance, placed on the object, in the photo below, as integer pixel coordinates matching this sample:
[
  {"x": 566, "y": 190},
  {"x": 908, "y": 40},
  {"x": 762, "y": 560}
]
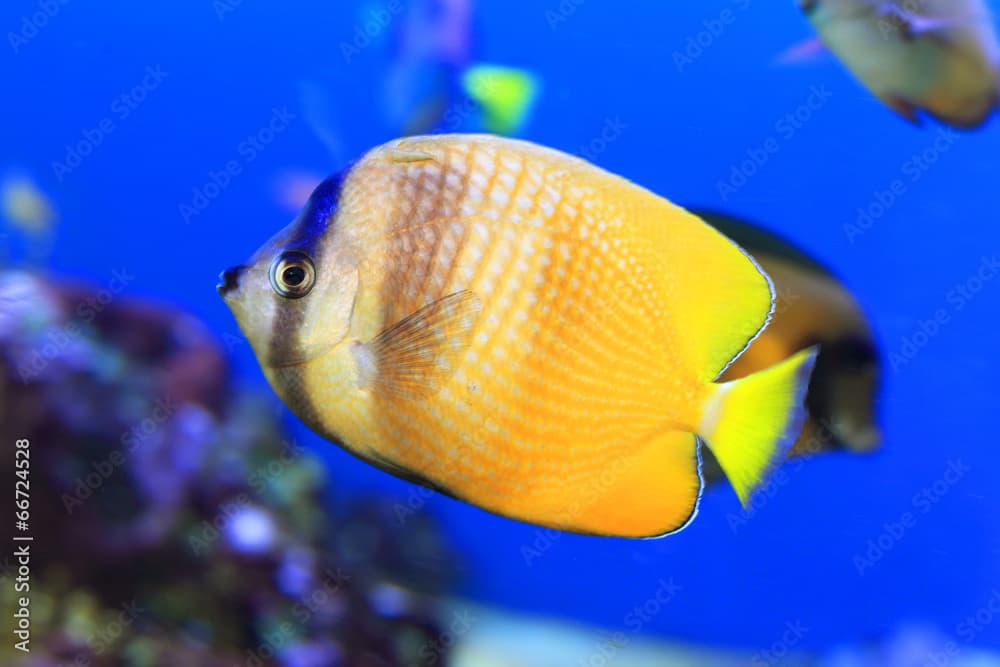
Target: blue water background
[{"x": 684, "y": 130}]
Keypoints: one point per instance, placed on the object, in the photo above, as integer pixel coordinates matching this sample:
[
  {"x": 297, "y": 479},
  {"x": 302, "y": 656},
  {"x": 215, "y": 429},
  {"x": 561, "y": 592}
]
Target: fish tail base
[{"x": 751, "y": 423}]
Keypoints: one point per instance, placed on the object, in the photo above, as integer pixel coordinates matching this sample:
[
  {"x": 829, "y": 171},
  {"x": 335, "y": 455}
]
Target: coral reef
[{"x": 173, "y": 521}]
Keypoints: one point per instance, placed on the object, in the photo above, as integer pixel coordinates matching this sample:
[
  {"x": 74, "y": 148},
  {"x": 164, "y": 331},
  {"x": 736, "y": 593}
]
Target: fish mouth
[{"x": 229, "y": 280}]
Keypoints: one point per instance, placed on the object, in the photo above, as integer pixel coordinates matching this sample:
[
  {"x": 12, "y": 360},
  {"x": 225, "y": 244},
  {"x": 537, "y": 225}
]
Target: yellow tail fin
[{"x": 751, "y": 423}]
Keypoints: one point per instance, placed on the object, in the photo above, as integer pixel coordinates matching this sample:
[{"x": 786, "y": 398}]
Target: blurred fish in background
[
  {"x": 935, "y": 56},
  {"x": 435, "y": 83},
  {"x": 28, "y": 214},
  {"x": 812, "y": 306}
]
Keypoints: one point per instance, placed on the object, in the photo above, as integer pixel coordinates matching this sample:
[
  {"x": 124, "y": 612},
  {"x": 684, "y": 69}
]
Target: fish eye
[{"x": 292, "y": 274}]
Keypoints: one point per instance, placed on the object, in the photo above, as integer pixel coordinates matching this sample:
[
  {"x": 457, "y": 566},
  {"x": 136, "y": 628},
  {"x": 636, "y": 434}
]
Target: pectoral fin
[
  {"x": 806, "y": 51},
  {"x": 413, "y": 357}
]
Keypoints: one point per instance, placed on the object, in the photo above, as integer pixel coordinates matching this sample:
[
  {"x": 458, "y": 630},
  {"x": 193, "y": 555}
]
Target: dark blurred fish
[
  {"x": 812, "y": 306},
  {"x": 937, "y": 56},
  {"x": 434, "y": 84}
]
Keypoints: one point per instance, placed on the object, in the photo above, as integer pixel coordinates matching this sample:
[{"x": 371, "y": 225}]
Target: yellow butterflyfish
[{"x": 520, "y": 330}]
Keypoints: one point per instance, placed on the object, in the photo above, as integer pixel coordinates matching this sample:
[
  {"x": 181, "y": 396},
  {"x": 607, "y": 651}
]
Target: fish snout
[{"x": 229, "y": 280}]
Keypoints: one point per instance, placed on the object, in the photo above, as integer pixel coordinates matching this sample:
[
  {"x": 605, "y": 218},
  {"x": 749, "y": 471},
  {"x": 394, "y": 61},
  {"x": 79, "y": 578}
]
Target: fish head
[
  {"x": 844, "y": 390},
  {"x": 294, "y": 297}
]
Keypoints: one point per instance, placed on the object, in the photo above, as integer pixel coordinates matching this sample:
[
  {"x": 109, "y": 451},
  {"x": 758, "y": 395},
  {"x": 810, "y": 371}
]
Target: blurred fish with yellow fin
[
  {"x": 521, "y": 330},
  {"x": 505, "y": 94},
  {"x": 435, "y": 83},
  {"x": 936, "y": 56},
  {"x": 813, "y": 307}
]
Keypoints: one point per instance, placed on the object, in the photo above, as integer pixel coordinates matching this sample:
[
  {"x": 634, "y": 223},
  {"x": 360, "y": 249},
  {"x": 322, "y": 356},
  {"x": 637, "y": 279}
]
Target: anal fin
[{"x": 651, "y": 493}]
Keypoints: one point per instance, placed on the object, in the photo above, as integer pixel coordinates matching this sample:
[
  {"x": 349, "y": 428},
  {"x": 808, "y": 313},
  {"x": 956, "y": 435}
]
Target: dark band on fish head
[
  {"x": 322, "y": 204},
  {"x": 315, "y": 219},
  {"x": 305, "y": 245}
]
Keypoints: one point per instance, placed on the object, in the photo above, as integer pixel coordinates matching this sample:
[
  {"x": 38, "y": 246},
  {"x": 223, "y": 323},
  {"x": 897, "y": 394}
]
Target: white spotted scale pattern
[{"x": 568, "y": 362}]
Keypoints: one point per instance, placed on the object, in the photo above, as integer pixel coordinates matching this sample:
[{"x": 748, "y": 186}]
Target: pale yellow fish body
[
  {"x": 528, "y": 333},
  {"x": 938, "y": 56}
]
